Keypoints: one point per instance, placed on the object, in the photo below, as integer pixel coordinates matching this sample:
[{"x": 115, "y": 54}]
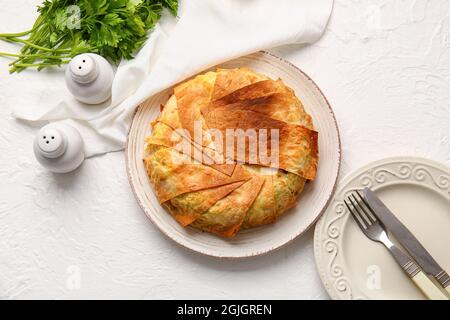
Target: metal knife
[{"x": 407, "y": 240}]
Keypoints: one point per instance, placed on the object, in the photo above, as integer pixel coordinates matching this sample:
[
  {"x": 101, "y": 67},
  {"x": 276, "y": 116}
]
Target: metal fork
[{"x": 375, "y": 230}]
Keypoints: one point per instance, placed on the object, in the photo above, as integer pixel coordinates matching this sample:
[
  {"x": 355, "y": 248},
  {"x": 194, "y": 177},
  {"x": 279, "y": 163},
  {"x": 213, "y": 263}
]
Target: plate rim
[
  {"x": 342, "y": 185},
  {"x": 300, "y": 231}
]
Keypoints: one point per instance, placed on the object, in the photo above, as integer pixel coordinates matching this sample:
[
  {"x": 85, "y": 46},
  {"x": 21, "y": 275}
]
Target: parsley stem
[
  {"x": 36, "y": 46},
  {"x": 43, "y": 56},
  {"x": 6, "y": 54},
  {"x": 115, "y": 31},
  {"x": 18, "y": 34},
  {"x": 26, "y": 65}
]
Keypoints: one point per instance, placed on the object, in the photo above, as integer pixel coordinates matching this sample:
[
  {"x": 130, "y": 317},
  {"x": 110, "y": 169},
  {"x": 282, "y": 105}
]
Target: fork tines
[{"x": 360, "y": 209}]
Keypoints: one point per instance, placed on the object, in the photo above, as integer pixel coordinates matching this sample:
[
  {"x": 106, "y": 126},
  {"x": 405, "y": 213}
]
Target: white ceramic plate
[
  {"x": 353, "y": 267},
  {"x": 259, "y": 240}
]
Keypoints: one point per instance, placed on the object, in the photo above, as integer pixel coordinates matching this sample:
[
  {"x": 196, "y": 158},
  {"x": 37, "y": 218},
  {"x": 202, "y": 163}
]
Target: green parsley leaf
[{"x": 115, "y": 29}]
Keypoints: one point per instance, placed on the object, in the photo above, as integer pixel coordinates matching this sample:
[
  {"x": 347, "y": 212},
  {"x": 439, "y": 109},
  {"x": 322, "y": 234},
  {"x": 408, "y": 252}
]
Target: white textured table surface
[{"x": 383, "y": 65}]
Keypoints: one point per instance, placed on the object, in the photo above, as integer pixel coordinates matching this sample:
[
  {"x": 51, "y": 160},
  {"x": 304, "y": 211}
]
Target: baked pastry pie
[{"x": 231, "y": 149}]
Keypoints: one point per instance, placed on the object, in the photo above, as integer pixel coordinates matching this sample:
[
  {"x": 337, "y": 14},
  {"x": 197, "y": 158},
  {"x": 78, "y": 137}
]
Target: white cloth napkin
[{"x": 206, "y": 33}]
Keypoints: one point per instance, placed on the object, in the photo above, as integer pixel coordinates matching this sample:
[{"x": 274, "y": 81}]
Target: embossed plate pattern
[{"x": 353, "y": 267}]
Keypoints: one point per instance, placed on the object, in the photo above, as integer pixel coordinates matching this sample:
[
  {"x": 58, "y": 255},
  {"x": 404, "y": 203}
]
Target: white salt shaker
[
  {"x": 89, "y": 78},
  {"x": 59, "y": 148}
]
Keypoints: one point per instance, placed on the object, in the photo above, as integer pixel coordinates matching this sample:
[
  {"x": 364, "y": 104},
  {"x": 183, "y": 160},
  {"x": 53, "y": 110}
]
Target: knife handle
[
  {"x": 444, "y": 280},
  {"x": 420, "y": 279},
  {"x": 428, "y": 287}
]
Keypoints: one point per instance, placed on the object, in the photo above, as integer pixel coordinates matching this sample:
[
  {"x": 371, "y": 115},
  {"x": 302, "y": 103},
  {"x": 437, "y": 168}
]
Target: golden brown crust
[
  {"x": 252, "y": 91},
  {"x": 165, "y": 136},
  {"x": 287, "y": 187},
  {"x": 190, "y": 100},
  {"x": 263, "y": 209},
  {"x": 200, "y": 202},
  {"x": 224, "y": 197},
  {"x": 169, "y": 114},
  {"x": 271, "y": 98},
  {"x": 227, "y": 215},
  {"x": 229, "y": 80},
  {"x": 297, "y": 145},
  {"x": 173, "y": 173},
  {"x": 191, "y": 97}
]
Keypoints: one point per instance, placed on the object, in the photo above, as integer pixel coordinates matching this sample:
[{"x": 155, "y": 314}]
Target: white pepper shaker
[
  {"x": 89, "y": 78},
  {"x": 59, "y": 148}
]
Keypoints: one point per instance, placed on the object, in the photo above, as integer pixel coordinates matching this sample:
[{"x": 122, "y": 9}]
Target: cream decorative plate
[
  {"x": 352, "y": 266},
  {"x": 260, "y": 240}
]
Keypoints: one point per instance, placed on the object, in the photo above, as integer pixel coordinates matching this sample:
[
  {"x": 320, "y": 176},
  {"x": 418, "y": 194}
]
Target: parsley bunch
[{"x": 115, "y": 29}]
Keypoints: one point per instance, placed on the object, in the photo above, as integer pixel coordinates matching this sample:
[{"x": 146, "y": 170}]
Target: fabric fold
[{"x": 207, "y": 33}]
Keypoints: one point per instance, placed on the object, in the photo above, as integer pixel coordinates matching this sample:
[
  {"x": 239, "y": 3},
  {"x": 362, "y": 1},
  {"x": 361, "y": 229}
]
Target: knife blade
[{"x": 407, "y": 239}]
